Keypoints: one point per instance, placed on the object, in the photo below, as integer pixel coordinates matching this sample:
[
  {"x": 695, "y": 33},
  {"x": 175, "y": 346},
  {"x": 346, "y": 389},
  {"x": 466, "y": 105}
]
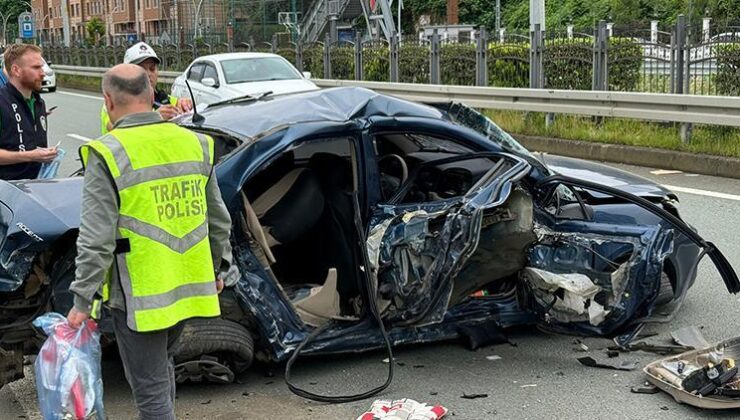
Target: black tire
[
  {"x": 52, "y": 89},
  {"x": 229, "y": 341},
  {"x": 665, "y": 293}
]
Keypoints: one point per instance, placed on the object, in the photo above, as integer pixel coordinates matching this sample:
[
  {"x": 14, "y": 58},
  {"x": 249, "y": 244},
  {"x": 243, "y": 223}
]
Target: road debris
[
  {"x": 690, "y": 337},
  {"x": 705, "y": 378},
  {"x": 528, "y": 386},
  {"x": 483, "y": 334},
  {"x": 622, "y": 365},
  {"x": 403, "y": 409},
  {"x": 646, "y": 388},
  {"x": 493, "y": 357},
  {"x": 473, "y": 396}
]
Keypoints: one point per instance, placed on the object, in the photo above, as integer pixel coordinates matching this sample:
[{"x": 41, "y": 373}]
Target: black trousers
[{"x": 149, "y": 368}]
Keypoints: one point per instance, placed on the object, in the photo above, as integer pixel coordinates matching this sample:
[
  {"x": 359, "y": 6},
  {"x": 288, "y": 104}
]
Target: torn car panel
[{"x": 424, "y": 246}]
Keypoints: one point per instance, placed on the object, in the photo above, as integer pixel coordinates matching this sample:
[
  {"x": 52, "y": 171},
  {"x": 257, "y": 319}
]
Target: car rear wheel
[
  {"x": 213, "y": 350},
  {"x": 52, "y": 89}
]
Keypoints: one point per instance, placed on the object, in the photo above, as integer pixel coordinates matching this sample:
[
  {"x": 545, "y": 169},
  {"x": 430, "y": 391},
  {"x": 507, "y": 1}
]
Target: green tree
[
  {"x": 95, "y": 31},
  {"x": 9, "y": 11},
  {"x": 583, "y": 13}
]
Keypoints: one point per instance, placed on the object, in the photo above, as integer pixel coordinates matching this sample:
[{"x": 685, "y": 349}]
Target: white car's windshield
[{"x": 258, "y": 70}]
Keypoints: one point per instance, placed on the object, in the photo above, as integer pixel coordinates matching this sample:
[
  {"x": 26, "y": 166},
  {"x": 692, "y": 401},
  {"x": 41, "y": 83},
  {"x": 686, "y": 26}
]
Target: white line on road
[
  {"x": 97, "y": 98},
  {"x": 703, "y": 192},
  {"x": 79, "y": 137}
]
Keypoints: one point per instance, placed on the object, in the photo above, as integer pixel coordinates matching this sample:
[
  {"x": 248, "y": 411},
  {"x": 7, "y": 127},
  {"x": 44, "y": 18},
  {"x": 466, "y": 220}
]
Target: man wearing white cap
[{"x": 168, "y": 106}]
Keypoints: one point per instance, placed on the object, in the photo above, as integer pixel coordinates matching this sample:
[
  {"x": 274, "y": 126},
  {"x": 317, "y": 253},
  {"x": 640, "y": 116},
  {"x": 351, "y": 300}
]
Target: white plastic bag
[{"x": 68, "y": 378}]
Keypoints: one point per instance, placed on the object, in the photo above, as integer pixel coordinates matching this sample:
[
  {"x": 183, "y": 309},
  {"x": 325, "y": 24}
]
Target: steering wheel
[{"x": 389, "y": 184}]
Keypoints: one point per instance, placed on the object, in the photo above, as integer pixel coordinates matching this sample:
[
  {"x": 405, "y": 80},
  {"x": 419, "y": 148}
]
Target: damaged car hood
[{"x": 605, "y": 175}]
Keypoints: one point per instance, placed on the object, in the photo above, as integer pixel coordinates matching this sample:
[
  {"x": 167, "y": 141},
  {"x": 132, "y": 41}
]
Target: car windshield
[
  {"x": 468, "y": 117},
  {"x": 258, "y": 70}
]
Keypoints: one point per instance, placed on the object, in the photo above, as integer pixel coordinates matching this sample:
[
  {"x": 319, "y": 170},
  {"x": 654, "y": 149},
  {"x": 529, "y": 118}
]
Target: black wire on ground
[{"x": 373, "y": 305}]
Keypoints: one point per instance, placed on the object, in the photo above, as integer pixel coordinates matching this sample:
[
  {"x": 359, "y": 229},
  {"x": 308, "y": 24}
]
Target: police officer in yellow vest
[
  {"x": 168, "y": 106},
  {"x": 153, "y": 233}
]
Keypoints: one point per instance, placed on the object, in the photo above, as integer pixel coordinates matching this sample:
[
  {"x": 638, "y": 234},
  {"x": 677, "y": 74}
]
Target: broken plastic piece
[
  {"x": 690, "y": 337},
  {"x": 663, "y": 374},
  {"x": 622, "y": 365},
  {"x": 646, "y": 388}
]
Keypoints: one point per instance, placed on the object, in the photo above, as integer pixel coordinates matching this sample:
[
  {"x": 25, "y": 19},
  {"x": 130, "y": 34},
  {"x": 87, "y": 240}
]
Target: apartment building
[{"x": 127, "y": 20}]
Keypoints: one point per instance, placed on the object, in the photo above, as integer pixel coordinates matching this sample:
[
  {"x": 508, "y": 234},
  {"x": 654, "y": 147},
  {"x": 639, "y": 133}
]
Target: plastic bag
[
  {"x": 68, "y": 378},
  {"x": 49, "y": 170}
]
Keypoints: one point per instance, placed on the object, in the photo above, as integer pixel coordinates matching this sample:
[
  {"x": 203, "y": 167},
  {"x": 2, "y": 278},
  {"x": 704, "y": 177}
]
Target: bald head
[
  {"x": 126, "y": 90},
  {"x": 127, "y": 84}
]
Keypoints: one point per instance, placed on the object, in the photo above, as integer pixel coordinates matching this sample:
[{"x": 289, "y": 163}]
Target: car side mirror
[
  {"x": 209, "y": 82},
  {"x": 307, "y": 75}
]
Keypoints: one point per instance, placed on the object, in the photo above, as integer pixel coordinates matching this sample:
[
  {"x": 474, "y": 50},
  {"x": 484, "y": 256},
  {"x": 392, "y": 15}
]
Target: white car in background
[
  {"x": 219, "y": 77},
  {"x": 50, "y": 79}
]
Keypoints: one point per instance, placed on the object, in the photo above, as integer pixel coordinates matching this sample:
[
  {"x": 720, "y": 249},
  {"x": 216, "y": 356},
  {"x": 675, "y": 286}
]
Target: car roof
[
  {"x": 340, "y": 104},
  {"x": 235, "y": 55}
]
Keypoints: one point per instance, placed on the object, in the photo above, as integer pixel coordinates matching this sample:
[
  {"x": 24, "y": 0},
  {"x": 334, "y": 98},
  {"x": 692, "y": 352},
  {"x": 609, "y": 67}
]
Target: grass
[{"x": 711, "y": 140}]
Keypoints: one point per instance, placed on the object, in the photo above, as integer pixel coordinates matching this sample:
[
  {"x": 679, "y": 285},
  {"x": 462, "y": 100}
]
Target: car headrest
[
  {"x": 291, "y": 206},
  {"x": 333, "y": 170}
]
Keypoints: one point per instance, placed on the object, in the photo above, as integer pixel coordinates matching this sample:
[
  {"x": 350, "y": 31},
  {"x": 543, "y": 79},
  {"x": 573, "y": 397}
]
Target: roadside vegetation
[{"x": 712, "y": 140}]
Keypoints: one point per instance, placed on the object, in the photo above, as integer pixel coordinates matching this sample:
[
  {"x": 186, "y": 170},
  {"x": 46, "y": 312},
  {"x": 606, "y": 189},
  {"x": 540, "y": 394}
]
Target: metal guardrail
[
  {"x": 715, "y": 110},
  {"x": 166, "y": 77}
]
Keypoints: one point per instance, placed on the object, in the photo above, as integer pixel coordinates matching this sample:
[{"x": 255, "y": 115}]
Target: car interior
[
  {"x": 299, "y": 216},
  {"x": 404, "y": 156}
]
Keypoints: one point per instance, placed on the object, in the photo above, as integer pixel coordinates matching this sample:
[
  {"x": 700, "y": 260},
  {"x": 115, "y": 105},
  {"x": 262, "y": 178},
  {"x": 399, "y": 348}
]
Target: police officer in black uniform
[{"x": 23, "y": 141}]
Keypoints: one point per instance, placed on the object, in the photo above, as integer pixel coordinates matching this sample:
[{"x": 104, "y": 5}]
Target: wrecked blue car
[{"x": 350, "y": 206}]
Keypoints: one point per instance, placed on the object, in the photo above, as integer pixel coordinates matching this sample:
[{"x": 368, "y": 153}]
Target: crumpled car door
[{"x": 416, "y": 250}]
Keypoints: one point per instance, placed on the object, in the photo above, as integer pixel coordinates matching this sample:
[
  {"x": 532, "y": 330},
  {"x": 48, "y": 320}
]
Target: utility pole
[
  {"x": 498, "y": 17},
  {"x": 65, "y": 22},
  {"x": 536, "y": 14}
]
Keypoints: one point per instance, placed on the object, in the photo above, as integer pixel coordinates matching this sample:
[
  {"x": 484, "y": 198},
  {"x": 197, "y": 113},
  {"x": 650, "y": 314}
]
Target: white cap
[{"x": 138, "y": 53}]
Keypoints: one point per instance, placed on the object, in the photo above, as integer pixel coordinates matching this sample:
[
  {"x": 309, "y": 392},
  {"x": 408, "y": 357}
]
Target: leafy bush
[
  {"x": 413, "y": 63},
  {"x": 376, "y": 62},
  {"x": 457, "y": 64},
  {"x": 625, "y": 60},
  {"x": 313, "y": 60},
  {"x": 343, "y": 62},
  {"x": 508, "y": 65},
  {"x": 728, "y": 69},
  {"x": 568, "y": 64}
]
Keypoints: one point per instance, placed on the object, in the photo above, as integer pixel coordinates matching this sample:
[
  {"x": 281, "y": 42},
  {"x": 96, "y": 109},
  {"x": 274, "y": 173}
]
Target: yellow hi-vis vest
[{"x": 164, "y": 260}]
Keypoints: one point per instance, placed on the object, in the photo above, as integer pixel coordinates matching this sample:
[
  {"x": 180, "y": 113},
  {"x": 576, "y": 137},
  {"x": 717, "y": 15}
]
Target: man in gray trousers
[{"x": 153, "y": 268}]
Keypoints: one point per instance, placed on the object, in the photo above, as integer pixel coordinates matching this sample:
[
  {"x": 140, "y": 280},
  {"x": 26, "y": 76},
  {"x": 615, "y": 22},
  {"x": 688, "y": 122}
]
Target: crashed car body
[{"x": 346, "y": 203}]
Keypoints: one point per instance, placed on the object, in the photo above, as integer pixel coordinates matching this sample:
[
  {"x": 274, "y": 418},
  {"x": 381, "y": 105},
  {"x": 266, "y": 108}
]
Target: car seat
[{"x": 290, "y": 207}]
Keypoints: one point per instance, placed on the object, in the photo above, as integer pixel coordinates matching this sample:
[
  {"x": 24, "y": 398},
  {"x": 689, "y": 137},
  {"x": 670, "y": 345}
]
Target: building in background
[{"x": 163, "y": 21}]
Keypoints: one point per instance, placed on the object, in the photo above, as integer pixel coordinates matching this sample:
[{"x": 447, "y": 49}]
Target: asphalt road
[{"x": 539, "y": 378}]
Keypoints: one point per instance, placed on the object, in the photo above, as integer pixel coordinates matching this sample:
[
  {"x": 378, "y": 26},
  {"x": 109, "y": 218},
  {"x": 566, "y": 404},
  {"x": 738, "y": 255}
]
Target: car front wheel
[{"x": 213, "y": 350}]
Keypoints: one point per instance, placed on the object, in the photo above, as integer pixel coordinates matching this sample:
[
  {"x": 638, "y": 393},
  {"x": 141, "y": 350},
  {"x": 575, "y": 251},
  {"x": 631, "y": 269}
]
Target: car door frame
[
  {"x": 210, "y": 94},
  {"x": 498, "y": 187},
  {"x": 194, "y": 84}
]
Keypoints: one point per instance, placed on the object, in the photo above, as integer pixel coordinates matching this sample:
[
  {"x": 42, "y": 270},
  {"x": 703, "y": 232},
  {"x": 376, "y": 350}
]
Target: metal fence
[{"x": 680, "y": 59}]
